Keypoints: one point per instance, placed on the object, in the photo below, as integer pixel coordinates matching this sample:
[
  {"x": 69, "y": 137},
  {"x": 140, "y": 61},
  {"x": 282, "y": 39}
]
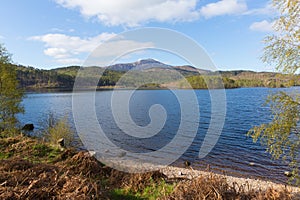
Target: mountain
[
  {"x": 147, "y": 72},
  {"x": 154, "y": 65},
  {"x": 139, "y": 65}
]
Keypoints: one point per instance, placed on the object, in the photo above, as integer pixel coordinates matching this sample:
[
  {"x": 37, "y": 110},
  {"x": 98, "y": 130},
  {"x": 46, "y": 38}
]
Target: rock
[
  {"x": 187, "y": 163},
  {"x": 122, "y": 154},
  {"x": 190, "y": 177},
  {"x": 28, "y": 127},
  {"x": 180, "y": 173},
  {"x": 288, "y": 174},
  {"x": 92, "y": 153},
  {"x": 61, "y": 142},
  {"x": 207, "y": 168}
]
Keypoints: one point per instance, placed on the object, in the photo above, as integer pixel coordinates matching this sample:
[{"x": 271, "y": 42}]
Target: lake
[{"x": 232, "y": 154}]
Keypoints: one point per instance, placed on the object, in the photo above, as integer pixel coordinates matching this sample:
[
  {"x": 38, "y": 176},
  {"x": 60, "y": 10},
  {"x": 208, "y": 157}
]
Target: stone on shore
[{"x": 28, "y": 127}]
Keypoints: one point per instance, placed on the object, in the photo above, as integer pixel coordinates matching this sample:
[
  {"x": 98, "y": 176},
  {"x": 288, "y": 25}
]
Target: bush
[{"x": 57, "y": 129}]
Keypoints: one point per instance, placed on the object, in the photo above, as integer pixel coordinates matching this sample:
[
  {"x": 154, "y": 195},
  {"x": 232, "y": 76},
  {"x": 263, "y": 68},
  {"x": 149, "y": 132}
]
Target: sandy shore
[
  {"x": 189, "y": 173},
  {"x": 251, "y": 184}
]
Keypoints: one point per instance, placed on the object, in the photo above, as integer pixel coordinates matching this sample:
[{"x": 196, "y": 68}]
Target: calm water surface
[{"x": 232, "y": 154}]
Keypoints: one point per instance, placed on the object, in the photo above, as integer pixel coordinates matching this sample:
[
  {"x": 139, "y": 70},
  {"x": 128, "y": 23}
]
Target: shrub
[{"x": 57, "y": 129}]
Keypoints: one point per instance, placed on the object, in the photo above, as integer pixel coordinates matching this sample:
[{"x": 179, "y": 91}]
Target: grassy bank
[{"x": 33, "y": 169}]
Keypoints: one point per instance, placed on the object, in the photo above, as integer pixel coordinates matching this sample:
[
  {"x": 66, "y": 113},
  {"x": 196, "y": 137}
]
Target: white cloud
[
  {"x": 57, "y": 53},
  {"x": 66, "y": 49},
  {"x": 223, "y": 7},
  {"x": 70, "y": 61},
  {"x": 58, "y": 30},
  {"x": 268, "y": 9},
  {"x": 119, "y": 47},
  {"x": 262, "y": 26},
  {"x": 113, "y": 49},
  {"x": 135, "y": 12},
  {"x": 2, "y": 37}
]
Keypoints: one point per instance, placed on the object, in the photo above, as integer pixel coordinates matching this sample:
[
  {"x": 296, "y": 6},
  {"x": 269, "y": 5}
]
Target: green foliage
[
  {"x": 282, "y": 48},
  {"x": 5, "y": 155},
  {"x": 10, "y": 94},
  {"x": 41, "y": 150},
  {"x": 110, "y": 78},
  {"x": 151, "y": 192},
  {"x": 213, "y": 82},
  {"x": 151, "y": 86},
  {"x": 281, "y": 135},
  {"x": 64, "y": 78},
  {"x": 57, "y": 129},
  {"x": 32, "y": 78},
  {"x": 250, "y": 83},
  {"x": 136, "y": 78},
  {"x": 5, "y": 56},
  {"x": 156, "y": 191},
  {"x": 233, "y": 79}
]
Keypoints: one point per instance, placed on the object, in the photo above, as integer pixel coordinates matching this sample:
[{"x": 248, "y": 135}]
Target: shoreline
[
  {"x": 279, "y": 178},
  {"x": 105, "y": 88},
  {"x": 31, "y": 168},
  {"x": 190, "y": 174},
  {"x": 248, "y": 183}
]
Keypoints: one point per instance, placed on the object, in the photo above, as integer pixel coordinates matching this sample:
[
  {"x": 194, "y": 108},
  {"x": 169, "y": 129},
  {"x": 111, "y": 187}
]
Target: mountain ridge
[{"x": 64, "y": 77}]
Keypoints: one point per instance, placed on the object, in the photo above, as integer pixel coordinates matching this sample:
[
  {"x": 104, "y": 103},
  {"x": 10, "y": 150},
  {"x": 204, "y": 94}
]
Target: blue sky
[{"x": 53, "y": 33}]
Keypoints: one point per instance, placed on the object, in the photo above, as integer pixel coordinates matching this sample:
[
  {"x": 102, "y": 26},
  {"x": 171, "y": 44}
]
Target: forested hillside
[
  {"x": 155, "y": 77},
  {"x": 33, "y": 78},
  {"x": 237, "y": 79},
  {"x": 60, "y": 78}
]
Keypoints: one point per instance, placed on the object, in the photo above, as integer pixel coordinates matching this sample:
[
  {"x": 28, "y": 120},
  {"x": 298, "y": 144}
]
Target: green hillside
[{"x": 63, "y": 78}]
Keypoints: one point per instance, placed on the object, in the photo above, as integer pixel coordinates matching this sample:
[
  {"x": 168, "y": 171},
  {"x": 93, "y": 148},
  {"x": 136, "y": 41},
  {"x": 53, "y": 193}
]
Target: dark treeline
[{"x": 33, "y": 78}]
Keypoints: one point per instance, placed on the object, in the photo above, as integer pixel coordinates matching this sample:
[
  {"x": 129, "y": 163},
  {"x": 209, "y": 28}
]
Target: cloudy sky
[{"x": 53, "y": 33}]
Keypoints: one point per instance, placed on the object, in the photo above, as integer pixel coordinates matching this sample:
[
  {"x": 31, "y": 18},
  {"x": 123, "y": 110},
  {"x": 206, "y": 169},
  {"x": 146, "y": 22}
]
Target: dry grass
[
  {"x": 35, "y": 170},
  {"x": 138, "y": 182},
  {"x": 58, "y": 129},
  {"x": 27, "y": 175},
  {"x": 214, "y": 187}
]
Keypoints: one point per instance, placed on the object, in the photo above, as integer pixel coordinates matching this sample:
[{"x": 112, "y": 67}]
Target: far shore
[{"x": 104, "y": 88}]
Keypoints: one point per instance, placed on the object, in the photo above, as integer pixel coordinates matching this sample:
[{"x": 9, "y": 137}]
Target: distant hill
[
  {"x": 138, "y": 65},
  {"x": 148, "y": 73}
]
